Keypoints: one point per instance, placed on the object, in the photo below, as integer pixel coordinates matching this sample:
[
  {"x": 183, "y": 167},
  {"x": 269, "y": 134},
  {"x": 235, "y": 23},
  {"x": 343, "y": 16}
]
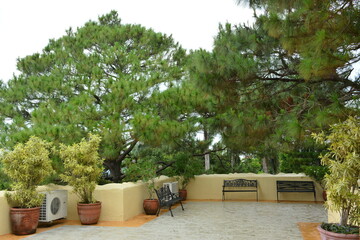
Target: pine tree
[{"x": 105, "y": 78}]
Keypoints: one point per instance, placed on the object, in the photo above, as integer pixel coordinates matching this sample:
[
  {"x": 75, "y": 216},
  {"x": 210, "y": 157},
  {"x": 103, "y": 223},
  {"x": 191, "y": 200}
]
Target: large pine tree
[{"x": 106, "y": 78}]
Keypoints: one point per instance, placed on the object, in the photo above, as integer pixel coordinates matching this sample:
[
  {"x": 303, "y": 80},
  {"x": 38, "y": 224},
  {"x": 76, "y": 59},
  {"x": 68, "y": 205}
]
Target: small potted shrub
[
  {"x": 145, "y": 169},
  {"x": 185, "y": 169},
  {"x": 27, "y": 166},
  {"x": 343, "y": 160},
  {"x": 82, "y": 169}
]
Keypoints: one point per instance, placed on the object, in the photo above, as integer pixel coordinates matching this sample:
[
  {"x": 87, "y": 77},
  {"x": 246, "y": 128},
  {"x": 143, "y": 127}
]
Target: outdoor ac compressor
[{"x": 54, "y": 206}]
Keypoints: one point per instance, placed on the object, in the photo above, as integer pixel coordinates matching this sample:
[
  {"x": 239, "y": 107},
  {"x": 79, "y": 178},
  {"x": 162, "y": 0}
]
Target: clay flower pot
[
  {"x": 89, "y": 213},
  {"x": 183, "y": 194},
  {"x": 326, "y": 235},
  {"x": 151, "y": 206},
  {"x": 24, "y": 220}
]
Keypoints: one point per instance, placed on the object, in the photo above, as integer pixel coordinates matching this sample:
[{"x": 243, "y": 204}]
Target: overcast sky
[{"x": 27, "y": 25}]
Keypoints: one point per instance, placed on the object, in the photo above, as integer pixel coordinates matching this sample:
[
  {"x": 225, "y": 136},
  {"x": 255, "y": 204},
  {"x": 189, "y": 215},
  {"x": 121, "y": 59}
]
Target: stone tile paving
[{"x": 207, "y": 221}]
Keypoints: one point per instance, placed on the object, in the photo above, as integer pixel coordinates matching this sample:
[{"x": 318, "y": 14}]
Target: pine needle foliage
[{"x": 105, "y": 77}]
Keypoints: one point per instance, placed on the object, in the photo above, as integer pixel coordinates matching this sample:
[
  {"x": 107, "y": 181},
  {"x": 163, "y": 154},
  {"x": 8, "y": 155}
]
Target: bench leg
[
  {"x": 181, "y": 205},
  {"x": 158, "y": 211},
  {"x": 171, "y": 211},
  {"x": 223, "y": 196}
]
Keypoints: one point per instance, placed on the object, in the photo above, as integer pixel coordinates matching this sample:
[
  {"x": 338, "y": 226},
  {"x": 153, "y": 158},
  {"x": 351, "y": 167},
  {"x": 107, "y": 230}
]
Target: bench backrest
[
  {"x": 295, "y": 186},
  {"x": 164, "y": 194},
  {"x": 240, "y": 183}
]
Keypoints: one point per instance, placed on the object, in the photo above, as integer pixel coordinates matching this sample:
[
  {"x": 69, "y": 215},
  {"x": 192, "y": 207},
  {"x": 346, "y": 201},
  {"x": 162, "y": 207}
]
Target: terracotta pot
[
  {"x": 326, "y": 235},
  {"x": 24, "y": 220},
  {"x": 151, "y": 206},
  {"x": 89, "y": 213},
  {"x": 183, "y": 194},
  {"x": 324, "y": 194}
]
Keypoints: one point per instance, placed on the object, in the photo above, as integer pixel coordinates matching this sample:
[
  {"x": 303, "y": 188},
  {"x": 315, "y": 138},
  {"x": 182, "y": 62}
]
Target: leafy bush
[
  {"x": 307, "y": 162},
  {"x": 343, "y": 160},
  {"x": 295, "y": 162},
  {"x": 144, "y": 169},
  {"x": 337, "y": 228},
  {"x": 185, "y": 168},
  {"x": 82, "y": 167},
  {"x": 27, "y": 166},
  {"x": 5, "y": 181}
]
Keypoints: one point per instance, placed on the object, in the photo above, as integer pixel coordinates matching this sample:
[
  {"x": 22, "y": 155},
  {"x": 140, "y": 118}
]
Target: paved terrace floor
[{"x": 205, "y": 220}]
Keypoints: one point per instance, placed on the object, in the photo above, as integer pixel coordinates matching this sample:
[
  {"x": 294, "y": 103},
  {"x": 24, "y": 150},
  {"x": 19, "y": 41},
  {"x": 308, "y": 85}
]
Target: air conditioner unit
[
  {"x": 173, "y": 187},
  {"x": 54, "y": 206}
]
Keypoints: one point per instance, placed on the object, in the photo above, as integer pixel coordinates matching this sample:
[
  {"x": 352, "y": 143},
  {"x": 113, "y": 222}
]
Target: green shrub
[
  {"x": 82, "y": 167},
  {"x": 343, "y": 160},
  {"x": 27, "y": 166}
]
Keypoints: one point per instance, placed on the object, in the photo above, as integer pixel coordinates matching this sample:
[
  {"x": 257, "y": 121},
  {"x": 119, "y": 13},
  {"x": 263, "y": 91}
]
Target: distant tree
[
  {"x": 267, "y": 99},
  {"x": 105, "y": 78}
]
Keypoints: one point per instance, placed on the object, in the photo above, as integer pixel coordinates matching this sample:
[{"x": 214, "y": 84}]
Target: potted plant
[
  {"x": 185, "y": 169},
  {"x": 343, "y": 160},
  {"x": 82, "y": 169},
  {"x": 145, "y": 170},
  {"x": 27, "y": 166},
  {"x": 183, "y": 182}
]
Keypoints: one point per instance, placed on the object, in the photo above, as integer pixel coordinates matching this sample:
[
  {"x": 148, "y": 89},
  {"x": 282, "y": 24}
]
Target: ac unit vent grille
[{"x": 43, "y": 211}]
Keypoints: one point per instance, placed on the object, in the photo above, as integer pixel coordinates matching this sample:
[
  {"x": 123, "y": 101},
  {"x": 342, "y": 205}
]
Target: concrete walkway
[{"x": 207, "y": 220}]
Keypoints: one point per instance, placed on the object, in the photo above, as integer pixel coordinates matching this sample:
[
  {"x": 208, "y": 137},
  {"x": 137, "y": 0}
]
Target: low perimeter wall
[
  {"x": 121, "y": 202},
  {"x": 210, "y": 187}
]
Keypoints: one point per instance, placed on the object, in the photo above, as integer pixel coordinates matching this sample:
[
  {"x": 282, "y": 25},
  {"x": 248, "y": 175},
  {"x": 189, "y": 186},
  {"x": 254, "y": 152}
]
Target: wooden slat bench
[
  {"x": 240, "y": 185},
  {"x": 167, "y": 199},
  {"x": 295, "y": 186}
]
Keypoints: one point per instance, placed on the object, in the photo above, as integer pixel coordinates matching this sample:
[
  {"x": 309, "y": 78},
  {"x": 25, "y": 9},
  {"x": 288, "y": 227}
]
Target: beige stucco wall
[
  {"x": 123, "y": 201},
  {"x": 210, "y": 187},
  {"x": 120, "y": 202},
  {"x": 4, "y": 214}
]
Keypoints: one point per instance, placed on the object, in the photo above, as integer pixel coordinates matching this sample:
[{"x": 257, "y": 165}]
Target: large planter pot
[
  {"x": 326, "y": 235},
  {"x": 151, "y": 206},
  {"x": 24, "y": 220},
  {"x": 89, "y": 213},
  {"x": 324, "y": 195},
  {"x": 183, "y": 194}
]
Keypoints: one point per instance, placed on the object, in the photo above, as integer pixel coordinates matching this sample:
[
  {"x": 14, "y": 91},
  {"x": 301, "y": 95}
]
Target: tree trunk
[
  {"x": 207, "y": 156},
  {"x": 344, "y": 216},
  {"x": 232, "y": 160},
  {"x": 115, "y": 170},
  {"x": 207, "y": 162},
  {"x": 265, "y": 166}
]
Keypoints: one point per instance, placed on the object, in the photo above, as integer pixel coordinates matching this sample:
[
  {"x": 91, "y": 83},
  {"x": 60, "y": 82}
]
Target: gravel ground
[{"x": 207, "y": 221}]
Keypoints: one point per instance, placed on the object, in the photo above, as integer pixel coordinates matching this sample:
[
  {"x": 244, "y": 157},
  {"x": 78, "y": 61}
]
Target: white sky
[{"x": 27, "y": 25}]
